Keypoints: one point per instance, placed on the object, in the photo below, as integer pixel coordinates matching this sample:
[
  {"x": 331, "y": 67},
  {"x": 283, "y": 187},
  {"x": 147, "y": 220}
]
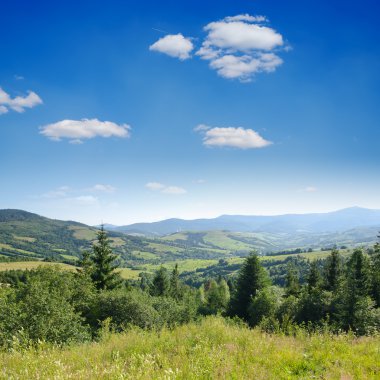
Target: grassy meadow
[{"x": 210, "y": 349}]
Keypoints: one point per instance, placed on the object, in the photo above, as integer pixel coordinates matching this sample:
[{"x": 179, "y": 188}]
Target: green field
[
  {"x": 211, "y": 349},
  {"x": 28, "y": 265}
]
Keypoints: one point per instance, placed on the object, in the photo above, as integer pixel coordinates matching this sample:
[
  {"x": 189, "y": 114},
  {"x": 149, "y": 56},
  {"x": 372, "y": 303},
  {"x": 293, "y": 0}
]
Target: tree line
[{"x": 48, "y": 304}]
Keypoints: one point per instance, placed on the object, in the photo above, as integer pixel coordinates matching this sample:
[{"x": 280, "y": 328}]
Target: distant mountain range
[
  {"x": 28, "y": 236},
  {"x": 335, "y": 221}
]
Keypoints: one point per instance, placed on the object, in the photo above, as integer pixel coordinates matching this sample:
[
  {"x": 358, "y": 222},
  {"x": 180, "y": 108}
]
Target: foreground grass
[{"x": 212, "y": 349}]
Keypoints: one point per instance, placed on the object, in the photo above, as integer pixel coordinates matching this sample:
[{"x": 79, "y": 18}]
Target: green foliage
[
  {"x": 292, "y": 284},
  {"x": 252, "y": 278},
  {"x": 45, "y": 308},
  {"x": 161, "y": 283},
  {"x": 103, "y": 266},
  {"x": 333, "y": 271}
]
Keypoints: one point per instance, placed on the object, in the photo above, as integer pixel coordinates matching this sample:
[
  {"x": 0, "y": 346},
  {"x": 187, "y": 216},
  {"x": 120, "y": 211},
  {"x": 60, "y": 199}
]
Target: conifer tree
[
  {"x": 333, "y": 271},
  {"x": 85, "y": 264},
  {"x": 103, "y": 273},
  {"x": 252, "y": 278},
  {"x": 175, "y": 285},
  {"x": 292, "y": 285},
  {"x": 161, "y": 283},
  {"x": 314, "y": 277}
]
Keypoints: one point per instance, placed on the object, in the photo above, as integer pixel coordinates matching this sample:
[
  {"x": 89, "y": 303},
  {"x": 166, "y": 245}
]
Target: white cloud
[
  {"x": 246, "y": 17},
  {"x": 156, "y": 186},
  {"x": 174, "y": 190},
  {"x": 241, "y": 36},
  {"x": 242, "y": 67},
  {"x": 309, "y": 189},
  {"x": 237, "y": 47},
  {"x": 174, "y": 45},
  {"x": 18, "y": 77},
  {"x": 77, "y": 130},
  {"x": 201, "y": 127},
  {"x": 60, "y": 192},
  {"x": 103, "y": 188},
  {"x": 18, "y": 103},
  {"x": 234, "y": 137}
]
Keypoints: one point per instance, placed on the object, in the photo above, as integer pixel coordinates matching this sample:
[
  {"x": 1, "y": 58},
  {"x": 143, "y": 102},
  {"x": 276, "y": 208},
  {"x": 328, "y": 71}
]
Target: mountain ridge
[{"x": 333, "y": 221}]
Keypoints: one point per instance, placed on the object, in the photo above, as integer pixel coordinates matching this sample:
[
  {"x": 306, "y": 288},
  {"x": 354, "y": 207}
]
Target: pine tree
[
  {"x": 103, "y": 273},
  {"x": 292, "y": 285},
  {"x": 161, "y": 283},
  {"x": 333, "y": 271},
  {"x": 252, "y": 278},
  {"x": 175, "y": 285},
  {"x": 314, "y": 277}
]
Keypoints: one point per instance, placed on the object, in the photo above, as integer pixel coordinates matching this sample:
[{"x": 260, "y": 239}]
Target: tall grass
[{"x": 210, "y": 349}]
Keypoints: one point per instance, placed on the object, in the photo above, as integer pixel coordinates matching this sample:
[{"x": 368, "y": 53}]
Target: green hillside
[{"x": 27, "y": 236}]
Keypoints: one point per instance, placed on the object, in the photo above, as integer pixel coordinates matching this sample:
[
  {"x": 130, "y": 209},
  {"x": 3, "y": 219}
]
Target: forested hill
[
  {"x": 25, "y": 235},
  {"x": 336, "y": 221}
]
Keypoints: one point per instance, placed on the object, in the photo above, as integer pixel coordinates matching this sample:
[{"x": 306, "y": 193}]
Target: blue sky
[{"x": 287, "y": 105}]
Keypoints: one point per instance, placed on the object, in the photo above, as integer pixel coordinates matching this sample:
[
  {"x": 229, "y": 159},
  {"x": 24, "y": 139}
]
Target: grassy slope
[{"x": 212, "y": 349}]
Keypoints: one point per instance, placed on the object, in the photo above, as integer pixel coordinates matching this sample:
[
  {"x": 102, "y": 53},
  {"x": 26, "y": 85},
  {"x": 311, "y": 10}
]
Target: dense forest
[{"x": 48, "y": 304}]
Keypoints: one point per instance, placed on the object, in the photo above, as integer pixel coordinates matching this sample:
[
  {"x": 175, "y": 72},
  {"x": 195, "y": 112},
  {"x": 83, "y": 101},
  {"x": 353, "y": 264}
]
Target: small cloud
[
  {"x": 309, "y": 189},
  {"x": 18, "y": 77},
  {"x": 234, "y": 137},
  {"x": 174, "y": 45},
  {"x": 201, "y": 127},
  {"x": 173, "y": 190},
  {"x": 103, "y": 188},
  {"x": 156, "y": 186},
  {"x": 60, "y": 192},
  {"x": 246, "y": 17},
  {"x": 18, "y": 103},
  {"x": 200, "y": 181},
  {"x": 77, "y": 130}
]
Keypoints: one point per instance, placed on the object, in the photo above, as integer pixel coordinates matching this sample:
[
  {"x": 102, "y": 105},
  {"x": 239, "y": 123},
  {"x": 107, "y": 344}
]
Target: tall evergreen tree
[
  {"x": 314, "y": 277},
  {"x": 292, "y": 284},
  {"x": 103, "y": 273},
  {"x": 333, "y": 271},
  {"x": 252, "y": 277},
  {"x": 175, "y": 285},
  {"x": 161, "y": 283}
]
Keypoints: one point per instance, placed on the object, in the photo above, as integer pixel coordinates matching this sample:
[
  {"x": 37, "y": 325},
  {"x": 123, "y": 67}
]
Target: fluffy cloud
[
  {"x": 242, "y": 67},
  {"x": 103, "y": 188},
  {"x": 156, "y": 186},
  {"x": 237, "y": 47},
  {"x": 18, "y": 103},
  {"x": 174, "y": 45},
  {"x": 77, "y": 130},
  {"x": 240, "y": 47},
  {"x": 233, "y": 137}
]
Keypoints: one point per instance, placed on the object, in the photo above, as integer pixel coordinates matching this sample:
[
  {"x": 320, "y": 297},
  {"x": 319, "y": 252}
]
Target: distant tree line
[{"x": 62, "y": 307}]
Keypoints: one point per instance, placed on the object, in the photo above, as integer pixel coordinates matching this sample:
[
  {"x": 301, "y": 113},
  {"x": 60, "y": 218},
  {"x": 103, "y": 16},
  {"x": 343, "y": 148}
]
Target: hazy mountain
[{"x": 335, "y": 221}]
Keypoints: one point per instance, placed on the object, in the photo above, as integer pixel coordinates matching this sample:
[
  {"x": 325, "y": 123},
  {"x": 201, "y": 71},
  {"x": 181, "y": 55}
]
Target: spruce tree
[
  {"x": 103, "y": 273},
  {"x": 85, "y": 264},
  {"x": 161, "y": 283},
  {"x": 175, "y": 285},
  {"x": 252, "y": 278},
  {"x": 333, "y": 271},
  {"x": 314, "y": 277},
  {"x": 292, "y": 285}
]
